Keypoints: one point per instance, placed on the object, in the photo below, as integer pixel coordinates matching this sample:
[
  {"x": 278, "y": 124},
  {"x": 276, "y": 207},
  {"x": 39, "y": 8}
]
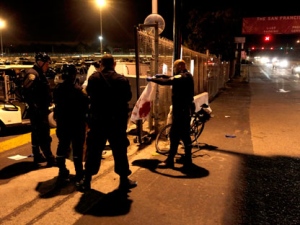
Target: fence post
[{"x": 6, "y": 89}]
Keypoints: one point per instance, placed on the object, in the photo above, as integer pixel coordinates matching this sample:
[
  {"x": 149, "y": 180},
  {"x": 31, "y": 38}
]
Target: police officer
[
  {"x": 37, "y": 94},
  {"x": 183, "y": 106},
  {"x": 109, "y": 94},
  {"x": 71, "y": 107}
]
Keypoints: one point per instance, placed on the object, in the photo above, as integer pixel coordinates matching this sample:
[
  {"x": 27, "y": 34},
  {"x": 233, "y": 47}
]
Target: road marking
[
  {"x": 18, "y": 141},
  {"x": 265, "y": 73}
]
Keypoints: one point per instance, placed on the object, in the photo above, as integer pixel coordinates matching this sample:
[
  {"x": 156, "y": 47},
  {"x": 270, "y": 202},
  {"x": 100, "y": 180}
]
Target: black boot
[
  {"x": 126, "y": 183},
  {"x": 187, "y": 160},
  {"x": 63, "y": 174},
  {"x": 46, "y": 149},
  {"x": 63, "y": 178},
  {"x": 50, "y": 161},
  {"x": 168, "y": 163},
  {"x": 79, "y": 171},
  {"x": 85, "y": 183},
  {"x": 37, "y": 156}
]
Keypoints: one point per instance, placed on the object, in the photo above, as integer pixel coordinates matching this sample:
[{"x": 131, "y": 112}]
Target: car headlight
[
  {"x": 297, "y": 69},
  {"x": 284, "y": 63}
]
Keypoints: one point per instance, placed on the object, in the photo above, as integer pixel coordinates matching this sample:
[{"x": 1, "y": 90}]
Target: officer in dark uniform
[
  {"x": 109, "y": 94},
  {"x": 71, "y": 107},
  {"x": 37, "y": 94},
  {"x": 182, "y": 107}
]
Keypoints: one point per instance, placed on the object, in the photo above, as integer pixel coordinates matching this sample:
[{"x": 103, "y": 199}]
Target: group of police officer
[{"x": 105, "y": 99}]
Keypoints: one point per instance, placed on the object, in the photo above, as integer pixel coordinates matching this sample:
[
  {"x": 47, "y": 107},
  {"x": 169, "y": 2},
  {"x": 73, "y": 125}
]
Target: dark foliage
[{"x": 213, "y": 31}]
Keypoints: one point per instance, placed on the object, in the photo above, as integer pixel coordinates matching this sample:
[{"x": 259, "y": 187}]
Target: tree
[{"x": 213, "y": 31}]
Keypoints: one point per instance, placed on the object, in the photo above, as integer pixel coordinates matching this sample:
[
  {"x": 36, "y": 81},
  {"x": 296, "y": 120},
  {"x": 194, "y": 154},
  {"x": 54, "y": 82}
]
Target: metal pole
[
  {"x": 6, "y": 88},
  {"x": 139, "y": 123},
  {"x": 137, "y": 64},
  {"x": 1, "y": 42},
  {"x": 177, "y": 30},
  {"x": 156, "y": 121},
  {"x": 101, "y": 37}
]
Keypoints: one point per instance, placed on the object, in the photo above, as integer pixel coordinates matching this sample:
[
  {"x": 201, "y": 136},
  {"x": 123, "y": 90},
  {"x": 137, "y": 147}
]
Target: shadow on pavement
[
  {"x": 50, "y": 188},
  {"x": 17, "y": 169},
  {"x": 267, "y": 189},
  {"x": 151, "y": 164},
  {"x": 99, "y": 204},
  {"x": 200, "y": 146}
]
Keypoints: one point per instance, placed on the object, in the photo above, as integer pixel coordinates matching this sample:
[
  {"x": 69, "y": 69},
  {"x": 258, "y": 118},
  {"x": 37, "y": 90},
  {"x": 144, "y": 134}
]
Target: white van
[
  {"x": 129, "y": 68},
  {"x": 122, "y": 68}
]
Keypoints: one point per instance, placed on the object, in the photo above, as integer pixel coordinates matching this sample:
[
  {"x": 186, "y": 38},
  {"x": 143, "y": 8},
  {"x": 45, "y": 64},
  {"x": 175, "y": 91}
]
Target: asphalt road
[{"x": 252, "y": 178}]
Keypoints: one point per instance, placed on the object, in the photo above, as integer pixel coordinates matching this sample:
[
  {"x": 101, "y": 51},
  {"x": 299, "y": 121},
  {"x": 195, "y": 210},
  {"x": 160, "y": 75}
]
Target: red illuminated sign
[{"x": 271, "y": 25}]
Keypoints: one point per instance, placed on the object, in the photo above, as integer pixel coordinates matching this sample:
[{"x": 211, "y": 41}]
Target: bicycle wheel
[
  {"x": 162, "y": 141},
  {"x": 197, "y": 127}
]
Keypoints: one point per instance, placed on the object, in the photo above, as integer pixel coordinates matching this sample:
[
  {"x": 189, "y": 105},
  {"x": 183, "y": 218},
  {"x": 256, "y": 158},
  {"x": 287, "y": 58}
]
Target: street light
[
  {"x": 100, "y": 3},
  {"x": 100, "y": 38},
  {"x": 2, "y": 25}
]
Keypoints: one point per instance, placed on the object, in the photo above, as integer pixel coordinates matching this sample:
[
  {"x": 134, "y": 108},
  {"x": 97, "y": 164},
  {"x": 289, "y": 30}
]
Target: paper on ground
[{"x": 17, "y": 157}]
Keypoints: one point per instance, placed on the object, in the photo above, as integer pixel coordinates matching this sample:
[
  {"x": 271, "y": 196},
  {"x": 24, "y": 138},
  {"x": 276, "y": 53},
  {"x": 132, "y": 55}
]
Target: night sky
[
  {"x": 65, "y": 21},
  {"x": 75, "y": 20}
]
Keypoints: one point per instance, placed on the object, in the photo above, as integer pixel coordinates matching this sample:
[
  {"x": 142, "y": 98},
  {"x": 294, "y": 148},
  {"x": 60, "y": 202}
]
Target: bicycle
[{"x": 198, "y": 120}]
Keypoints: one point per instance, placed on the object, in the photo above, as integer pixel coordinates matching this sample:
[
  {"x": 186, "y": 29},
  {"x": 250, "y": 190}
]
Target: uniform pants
[
  {"x": 113, "y": 131},
  {"x": 180, "y": 130}
]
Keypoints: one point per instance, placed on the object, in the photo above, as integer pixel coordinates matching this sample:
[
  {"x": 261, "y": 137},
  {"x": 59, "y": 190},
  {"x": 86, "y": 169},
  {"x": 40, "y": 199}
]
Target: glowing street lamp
[
  {"x": 2, "y": 25},
  {"x": 101, "y": 38},
  {"x": 100, "y": 3}
]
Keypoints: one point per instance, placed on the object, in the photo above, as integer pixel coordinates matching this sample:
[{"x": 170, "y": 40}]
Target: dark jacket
[
  {"x": 182, "y": 89},
  {"x": 109, "y": 94},
  {"x": 71, "y": 104},
  {"x": 36, "y": 90}
]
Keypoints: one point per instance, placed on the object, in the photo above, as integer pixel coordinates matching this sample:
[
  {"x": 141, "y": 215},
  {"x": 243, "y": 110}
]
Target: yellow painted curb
[{"x": 18, "y": 141}]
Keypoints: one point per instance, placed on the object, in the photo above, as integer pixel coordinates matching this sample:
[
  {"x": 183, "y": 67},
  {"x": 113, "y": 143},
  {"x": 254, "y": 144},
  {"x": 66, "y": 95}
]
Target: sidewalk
[{"x": 25, "y": 204}]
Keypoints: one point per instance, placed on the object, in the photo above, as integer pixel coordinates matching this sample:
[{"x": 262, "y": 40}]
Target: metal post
[
  {"x": 177, "y": 30},
  {"x": 238, "y": 62},
  {"x": 6, "y": 87},
  {"x": 137, "y": 63},
  {"x": 139, "y": 124},
  {"x": 101, "y": 37},
  {"x": 156, "y": 121},
  {"x": 1, "y": 41}
]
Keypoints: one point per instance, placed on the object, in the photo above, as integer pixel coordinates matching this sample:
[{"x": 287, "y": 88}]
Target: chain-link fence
[
  {"x": 156, "y": 56},
  {"x": 210, "y": 74}
]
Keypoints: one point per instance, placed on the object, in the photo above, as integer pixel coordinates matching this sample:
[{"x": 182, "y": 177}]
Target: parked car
[
  {"x": 15, "y": 114},
  {"x": 12, "y": 114},
  {"x": 80, "y": 77},
  {"x": 15, "y": 75}
]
